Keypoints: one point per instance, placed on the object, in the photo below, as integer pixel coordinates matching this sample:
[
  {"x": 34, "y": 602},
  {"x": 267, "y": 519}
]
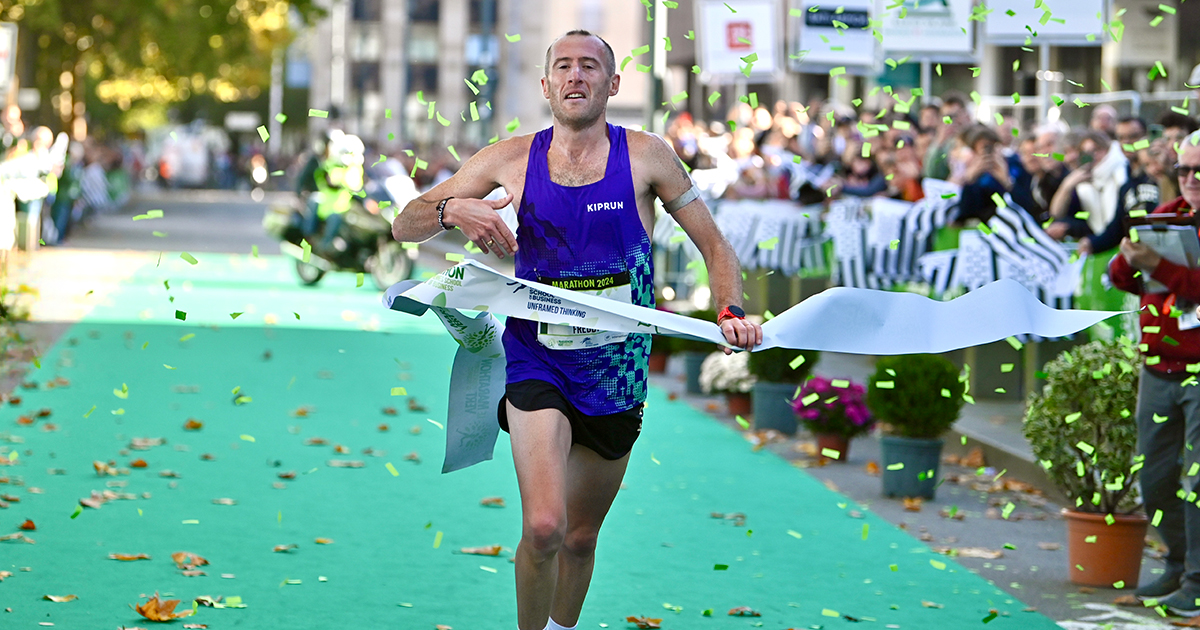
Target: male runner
[{"x": 585, "y": 195}]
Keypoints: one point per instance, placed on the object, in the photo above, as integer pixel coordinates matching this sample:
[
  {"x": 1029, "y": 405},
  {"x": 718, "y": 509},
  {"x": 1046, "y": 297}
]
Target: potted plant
[
  {"x": 778, "y": 374},
  {"x": 661, "y": 347},
  {"x": 917, "y": 397},
  {"x": 1082, "y": 429},
  {"x": 729, "y": 374},
  {"x": 834, "y": 411},
  {"x": 694, "y": 351}
]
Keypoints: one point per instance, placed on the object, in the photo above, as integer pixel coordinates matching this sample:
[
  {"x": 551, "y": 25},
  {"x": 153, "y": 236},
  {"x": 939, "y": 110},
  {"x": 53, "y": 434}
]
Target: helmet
[{"x": 346, "y": 149}]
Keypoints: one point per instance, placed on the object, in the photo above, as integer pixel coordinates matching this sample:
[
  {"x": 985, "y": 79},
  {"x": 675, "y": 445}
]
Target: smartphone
[
  {"x": 1154, "y": 132},
  {"x": 1086, "y": 158}
]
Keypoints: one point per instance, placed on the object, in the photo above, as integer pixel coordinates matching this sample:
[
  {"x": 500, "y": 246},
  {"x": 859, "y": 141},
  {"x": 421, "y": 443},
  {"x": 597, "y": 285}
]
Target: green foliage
[
  {"x": 1088, "y": 403},
  {"x": 925, "y": 396},
  {"x": 681, "y": 344},
  {"x": 130, "y": 53},
  {"x": 774, "y": 365}
]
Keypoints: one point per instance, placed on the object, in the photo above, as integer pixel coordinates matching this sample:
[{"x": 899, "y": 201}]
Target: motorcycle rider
[{"x": 336, "y": 178}]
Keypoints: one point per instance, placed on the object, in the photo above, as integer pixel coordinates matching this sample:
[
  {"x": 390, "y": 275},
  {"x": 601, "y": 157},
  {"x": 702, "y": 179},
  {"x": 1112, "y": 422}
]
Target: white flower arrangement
[{"x": 722, "y": 372}]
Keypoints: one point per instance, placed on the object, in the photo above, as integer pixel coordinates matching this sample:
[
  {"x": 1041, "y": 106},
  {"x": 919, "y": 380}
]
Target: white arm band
[{"x": 682, "y": 200}]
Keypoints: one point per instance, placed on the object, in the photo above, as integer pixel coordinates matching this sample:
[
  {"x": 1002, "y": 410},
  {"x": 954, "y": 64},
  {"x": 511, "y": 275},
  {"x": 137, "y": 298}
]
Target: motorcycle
[{"x": 364, "y": 243}]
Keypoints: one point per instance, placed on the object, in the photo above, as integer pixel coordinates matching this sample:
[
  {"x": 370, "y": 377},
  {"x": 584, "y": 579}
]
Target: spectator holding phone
[
  {"x": 1140, "y": 191},
  {"x": 1087, "y": 200}
]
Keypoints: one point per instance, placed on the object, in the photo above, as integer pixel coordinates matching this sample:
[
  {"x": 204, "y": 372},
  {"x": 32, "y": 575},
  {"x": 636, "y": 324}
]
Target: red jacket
[{"x": 1183, "y": 285}]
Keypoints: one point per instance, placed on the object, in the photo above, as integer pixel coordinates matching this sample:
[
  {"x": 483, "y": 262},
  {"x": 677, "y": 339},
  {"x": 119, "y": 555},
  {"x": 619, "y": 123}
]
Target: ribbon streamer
[{"x": 849, "y": 320}]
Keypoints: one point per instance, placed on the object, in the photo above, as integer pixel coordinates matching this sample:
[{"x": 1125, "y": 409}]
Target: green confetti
[
  {"x": 358, "y": 282},
  {"x": 769, "y": 244},
  {"x": 180, "y": 315},
  {"x": 896, "y": 466},
  {"x": 940, "y": 566},
  {"x": 189, "y": 258},
  {"x": 306, "y": 248},
  {"x": 453, "y": 153},
  {"x": 318, "y": 113},
  {"x": 712, "y": 98},
  {"x": 797, "y": 362},
  {"x": 150, "y": 214},
  {"x": 262, "y": 133},
  {"x": 512, "y": 38},
  {"x": 77, "y": 512},
  {"x": 513, "y": 124},
  {"x": 720, "y": 567}
]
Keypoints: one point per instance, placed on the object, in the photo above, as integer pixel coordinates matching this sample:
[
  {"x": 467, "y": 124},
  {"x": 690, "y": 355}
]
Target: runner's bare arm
[
  {"x": 480, "y": 174},
  {"x": 668, "y": 180}
]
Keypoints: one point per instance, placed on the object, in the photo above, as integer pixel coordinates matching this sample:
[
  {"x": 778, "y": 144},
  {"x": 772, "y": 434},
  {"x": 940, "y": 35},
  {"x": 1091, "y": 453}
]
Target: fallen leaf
[
  {"x": 18, "y": 536},
  {"x": 224, "y": 501},
  {"x": 138, "y": 463},
  {"x": 27, "y": 526},
  {"x": 872, "y": 468},
  {"x": 442, "y": 626},
  {"x": 970, "y": 552},
  {"x": 208, "y": 457},
  {"x": 744, "y": 611},
  {"x": 61, "y": 598},
  {"x": 193, "y": 425},
  {"x": 128, "y": 557},
  {"x": 324, "y": 541},
  {"x": 413, "y": 405},
  {"x": 1128, "y": 600},
  {"x": 24, "y": 421},
  {"x": 161, "y": 610},
  {"x": 341, "y": 450},
  {"x": 316, "y": 441},
  {"x": 193, "y": 573},
  {"x": 346, "y": 463},
  {"x": 285, "y": 548},
  {"x": 291, "y": 474},
  {"x": 492, "y": 501},
  {"x": 974, "y": 459},
  {"x": 913, "y": 504},
  {"x": 104, "y": 469},
  {"x": 144, "y": 444},
  {"x": 389, "y": 411},
  {"x": 1049, "y": 546},
  {"x": 4, "y": 574},
  {"x": 1194, "y": 622},
  {"x": 929, "y": 604},
  {"x": 191, "y": 626},
  {"x": 303, "y": 411},
  {"x": 489, "y": 550},
  {"x": 383, "y": 428},
  {"x": 1086, "y": 590},
  {"x": 415, "y": 430},
  {"x": 645, "y": 622},
  {"x": 413, "y": 457},
  {"x": 188, "y": 560}
]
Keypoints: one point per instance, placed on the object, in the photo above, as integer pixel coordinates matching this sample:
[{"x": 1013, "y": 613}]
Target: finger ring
[{"x": 490, "y": 242}]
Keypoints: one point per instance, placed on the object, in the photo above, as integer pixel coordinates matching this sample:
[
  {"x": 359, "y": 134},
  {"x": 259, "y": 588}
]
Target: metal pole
[
  {"x": 1044, "y": 84},
  {"x": 658, "y": 66},
  {"x": 274, "y": 127},
  {"x": 926, "y": 81}
]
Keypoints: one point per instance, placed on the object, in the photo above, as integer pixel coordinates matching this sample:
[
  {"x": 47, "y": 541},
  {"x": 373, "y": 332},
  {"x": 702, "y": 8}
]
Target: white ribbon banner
[{"x": 849, "y": 320}]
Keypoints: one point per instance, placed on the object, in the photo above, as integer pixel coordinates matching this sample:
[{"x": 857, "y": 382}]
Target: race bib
[{"x": 614, "y": 286}]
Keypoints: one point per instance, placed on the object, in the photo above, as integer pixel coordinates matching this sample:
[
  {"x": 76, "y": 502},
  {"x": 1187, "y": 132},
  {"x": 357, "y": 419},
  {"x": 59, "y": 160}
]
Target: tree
[{"x": 144, "y": 55}]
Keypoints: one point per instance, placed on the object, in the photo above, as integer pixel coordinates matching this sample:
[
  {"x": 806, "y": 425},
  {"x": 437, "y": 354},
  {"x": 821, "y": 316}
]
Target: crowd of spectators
[{"x": 1078, "y": 183}]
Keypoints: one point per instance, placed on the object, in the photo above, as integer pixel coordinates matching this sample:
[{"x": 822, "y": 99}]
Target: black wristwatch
[{"x": 731, "y": 311}]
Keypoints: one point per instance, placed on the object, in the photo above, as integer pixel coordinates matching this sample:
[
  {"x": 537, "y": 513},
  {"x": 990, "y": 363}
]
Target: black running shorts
[{"x": 611, "y": 436}]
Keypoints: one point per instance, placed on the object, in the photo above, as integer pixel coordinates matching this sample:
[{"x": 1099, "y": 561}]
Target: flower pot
[
  {"x": 739, "y": 403},
  {"x": 910, "y": 466},
  {"x": 1114, "y": 556},
  {"x": 658, "y": 362},
  {"x": 773, "y": 407},
  {"x": 834, "y": 442},
  {"x": 691, "y": 369}
]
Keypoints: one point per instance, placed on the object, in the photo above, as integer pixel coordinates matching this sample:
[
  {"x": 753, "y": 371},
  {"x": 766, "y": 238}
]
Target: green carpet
[{"x": 800, "y": 558}]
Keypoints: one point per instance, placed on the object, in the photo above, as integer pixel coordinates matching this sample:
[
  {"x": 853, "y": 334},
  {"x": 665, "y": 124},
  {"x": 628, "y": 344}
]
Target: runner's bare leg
[
  {"x": 541, "y": 445},
  {"x": 592, "y": 484}
]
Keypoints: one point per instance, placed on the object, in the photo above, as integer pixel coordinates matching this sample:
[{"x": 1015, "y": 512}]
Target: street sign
[
  {"x": 738, "y": 38},
  {"x": 834, "y": 36},
  {"x": 936, "y": 29},
  {"x": 1062, "y": 23}
]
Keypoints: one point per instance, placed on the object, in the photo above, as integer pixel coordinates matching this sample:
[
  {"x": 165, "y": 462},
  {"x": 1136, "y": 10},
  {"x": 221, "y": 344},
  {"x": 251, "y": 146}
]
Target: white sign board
[
  {"x": 927, "y": 28},
  {"x": 8, "y": 56},
  {"x": 242, "y": 121},
  {"x": 726, "y": 38},
  {"x": 1063, "y": 22},
  {"x": 832, "y": 36}
]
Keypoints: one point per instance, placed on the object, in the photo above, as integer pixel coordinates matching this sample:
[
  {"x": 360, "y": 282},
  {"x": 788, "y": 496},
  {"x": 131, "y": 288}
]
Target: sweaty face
[{"x": 577, "y": 82}]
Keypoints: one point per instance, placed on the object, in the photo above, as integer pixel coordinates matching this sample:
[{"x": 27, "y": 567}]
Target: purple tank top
[{"x": 583, "y": 237}]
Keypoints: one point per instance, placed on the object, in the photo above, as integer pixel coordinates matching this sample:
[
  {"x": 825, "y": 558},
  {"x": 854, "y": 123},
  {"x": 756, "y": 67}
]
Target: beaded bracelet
[{"x": 441, "y": 208}]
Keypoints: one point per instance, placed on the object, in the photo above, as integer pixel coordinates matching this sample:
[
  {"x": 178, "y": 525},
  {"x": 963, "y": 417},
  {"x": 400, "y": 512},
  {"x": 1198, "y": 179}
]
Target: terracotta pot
[
  {"x": 658, "y": 362},
  {"x": 739, "y": 403},
  {"x": 833, "y": 441},
  {"x": 1114, "y": 556}
]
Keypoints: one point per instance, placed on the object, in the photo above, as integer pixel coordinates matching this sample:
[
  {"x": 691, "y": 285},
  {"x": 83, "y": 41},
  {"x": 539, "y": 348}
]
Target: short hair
[
  {"x": 1171, "y": 119},
  {"x": 609, "y": 57},
  {"x": 954, "y": 97},
  {"x": 1099, "y": 138},
  {"x": 1133, "y": 119},
  {"x": 1192, "y": 138}
]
